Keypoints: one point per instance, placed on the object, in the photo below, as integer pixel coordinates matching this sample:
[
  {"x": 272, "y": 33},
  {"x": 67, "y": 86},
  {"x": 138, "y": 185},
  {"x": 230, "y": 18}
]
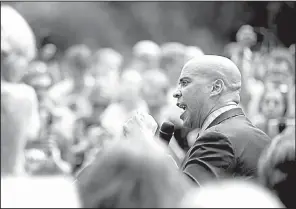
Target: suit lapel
[{"x": 226, "y": 115}]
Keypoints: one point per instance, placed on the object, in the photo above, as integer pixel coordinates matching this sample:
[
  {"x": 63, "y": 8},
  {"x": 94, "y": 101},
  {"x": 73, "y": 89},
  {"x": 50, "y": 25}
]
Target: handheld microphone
[{"x": 166, "y": 131}]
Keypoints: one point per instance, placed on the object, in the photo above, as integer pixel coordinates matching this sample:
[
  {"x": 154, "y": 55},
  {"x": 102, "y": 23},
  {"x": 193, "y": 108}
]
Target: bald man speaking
[{"x": 227, "y": 145}]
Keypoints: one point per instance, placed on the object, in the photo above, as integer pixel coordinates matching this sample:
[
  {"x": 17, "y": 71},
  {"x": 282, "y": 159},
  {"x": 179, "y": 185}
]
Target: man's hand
[{"x": 140, "y": 125}]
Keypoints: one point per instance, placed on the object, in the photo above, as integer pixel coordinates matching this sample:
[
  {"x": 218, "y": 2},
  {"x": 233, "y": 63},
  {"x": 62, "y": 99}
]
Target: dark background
[{"x": 120, "y": 25}]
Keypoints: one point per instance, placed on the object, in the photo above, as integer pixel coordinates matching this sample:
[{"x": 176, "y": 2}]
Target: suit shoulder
[{"x": 240, "y": 127}]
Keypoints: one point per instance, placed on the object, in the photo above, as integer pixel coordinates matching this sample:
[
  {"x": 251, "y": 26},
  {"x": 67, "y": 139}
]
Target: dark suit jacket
[{"x": 230, "y": 146}]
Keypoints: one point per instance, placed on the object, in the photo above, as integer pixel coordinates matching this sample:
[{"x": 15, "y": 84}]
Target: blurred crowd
[{"x": 71, "y": 110}]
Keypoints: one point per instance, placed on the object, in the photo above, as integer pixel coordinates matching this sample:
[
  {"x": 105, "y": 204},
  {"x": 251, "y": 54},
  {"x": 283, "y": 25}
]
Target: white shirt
[{"x": 216, "y": 114}]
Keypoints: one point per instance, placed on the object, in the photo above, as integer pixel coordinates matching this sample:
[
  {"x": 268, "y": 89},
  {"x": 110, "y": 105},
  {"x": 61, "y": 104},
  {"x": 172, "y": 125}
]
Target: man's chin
[{"x": 186, "y": 123}]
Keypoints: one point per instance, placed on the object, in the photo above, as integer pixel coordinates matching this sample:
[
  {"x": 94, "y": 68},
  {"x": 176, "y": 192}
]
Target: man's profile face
[{"x": 193, "y": 96}]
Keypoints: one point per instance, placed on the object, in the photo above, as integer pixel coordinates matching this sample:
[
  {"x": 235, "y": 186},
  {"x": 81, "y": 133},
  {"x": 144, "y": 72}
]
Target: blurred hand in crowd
[{"x": 140, "y": 125}]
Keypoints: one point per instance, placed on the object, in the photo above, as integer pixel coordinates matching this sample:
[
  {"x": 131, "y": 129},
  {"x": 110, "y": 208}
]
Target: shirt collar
[{"x": 216, "y": 113}]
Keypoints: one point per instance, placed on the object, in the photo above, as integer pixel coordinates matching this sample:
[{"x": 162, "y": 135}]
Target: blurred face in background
[
  {"x": 106, "y": 64},
  {"x": 146, "y": 55},
  {"x": 155, "y": 88},
  {"x": 130, "y": 86},
  {"x": 38, "y": 77},
  {"x": 77, "y": 63},
  {"x": 246, "y": 36},
  {"x": 273, "y": 105},
  {"x": 172, "y": 60},
  {"x": 145, "y": 62},
  {"x": 279, "y": 73}
]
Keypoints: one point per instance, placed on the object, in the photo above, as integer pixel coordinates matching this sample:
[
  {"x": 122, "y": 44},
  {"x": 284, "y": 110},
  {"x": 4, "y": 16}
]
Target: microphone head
[
  {"x": 166, "y": 131},
  {"x": 167, "y": 127}
]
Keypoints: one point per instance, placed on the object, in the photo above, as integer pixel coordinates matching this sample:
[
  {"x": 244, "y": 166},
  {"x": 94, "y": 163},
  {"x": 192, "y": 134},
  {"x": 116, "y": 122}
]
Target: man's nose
[{"x": 177, "y": 94}]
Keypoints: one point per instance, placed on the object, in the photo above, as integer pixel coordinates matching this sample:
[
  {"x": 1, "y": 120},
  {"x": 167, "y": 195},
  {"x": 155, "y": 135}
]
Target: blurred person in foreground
[
  {"x": 146, "y": 55},
  {"x": 18, "y": 123},
  {"x": 277, "y": 167},
  {"x": 73, "y": 92},
  {"x": 17, "y": 189},
  {"x": 230, "y": 194},
  {"x": 132, "y": 173},
  {"x": 228, "y": 144}
]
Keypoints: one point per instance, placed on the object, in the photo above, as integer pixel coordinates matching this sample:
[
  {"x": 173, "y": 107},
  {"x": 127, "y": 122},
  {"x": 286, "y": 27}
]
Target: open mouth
[{"x": 183, "y": 107}]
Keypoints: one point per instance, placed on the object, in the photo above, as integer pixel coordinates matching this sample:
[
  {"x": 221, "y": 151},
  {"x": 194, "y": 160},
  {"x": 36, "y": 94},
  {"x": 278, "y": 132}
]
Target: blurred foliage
[{"x": 121, "y": 24}]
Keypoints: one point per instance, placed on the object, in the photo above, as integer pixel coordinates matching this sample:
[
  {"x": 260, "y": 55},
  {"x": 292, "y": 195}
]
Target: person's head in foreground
[
  {"x": 131, "y": 174},
  {"x": 17, "y": 50},
  {"x": 230, "y": 194},
  {"x": 146, "y": 55},
  {"x": 277, "y": 168},
  {"x": 18, "y": 45},
  {"x": 77, "y": 63},
  {"x": 205, "y": 85}
]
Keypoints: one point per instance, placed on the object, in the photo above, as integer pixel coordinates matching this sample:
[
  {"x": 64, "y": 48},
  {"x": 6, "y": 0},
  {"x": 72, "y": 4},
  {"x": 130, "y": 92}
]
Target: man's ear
[{"x": 217, "y": 87}]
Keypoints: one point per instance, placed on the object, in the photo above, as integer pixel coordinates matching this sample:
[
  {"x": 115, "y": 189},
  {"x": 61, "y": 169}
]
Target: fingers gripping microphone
[{"x": 166, "y": 131}]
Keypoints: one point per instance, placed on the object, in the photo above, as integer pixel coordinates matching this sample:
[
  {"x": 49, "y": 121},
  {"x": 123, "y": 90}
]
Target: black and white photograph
[{"x": 148, "y": 104}]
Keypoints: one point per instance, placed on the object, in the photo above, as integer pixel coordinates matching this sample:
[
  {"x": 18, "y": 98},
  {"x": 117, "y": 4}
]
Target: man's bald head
[
  {"x": 206, "y": 84},
  {"x": 215, "y": 67}
]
